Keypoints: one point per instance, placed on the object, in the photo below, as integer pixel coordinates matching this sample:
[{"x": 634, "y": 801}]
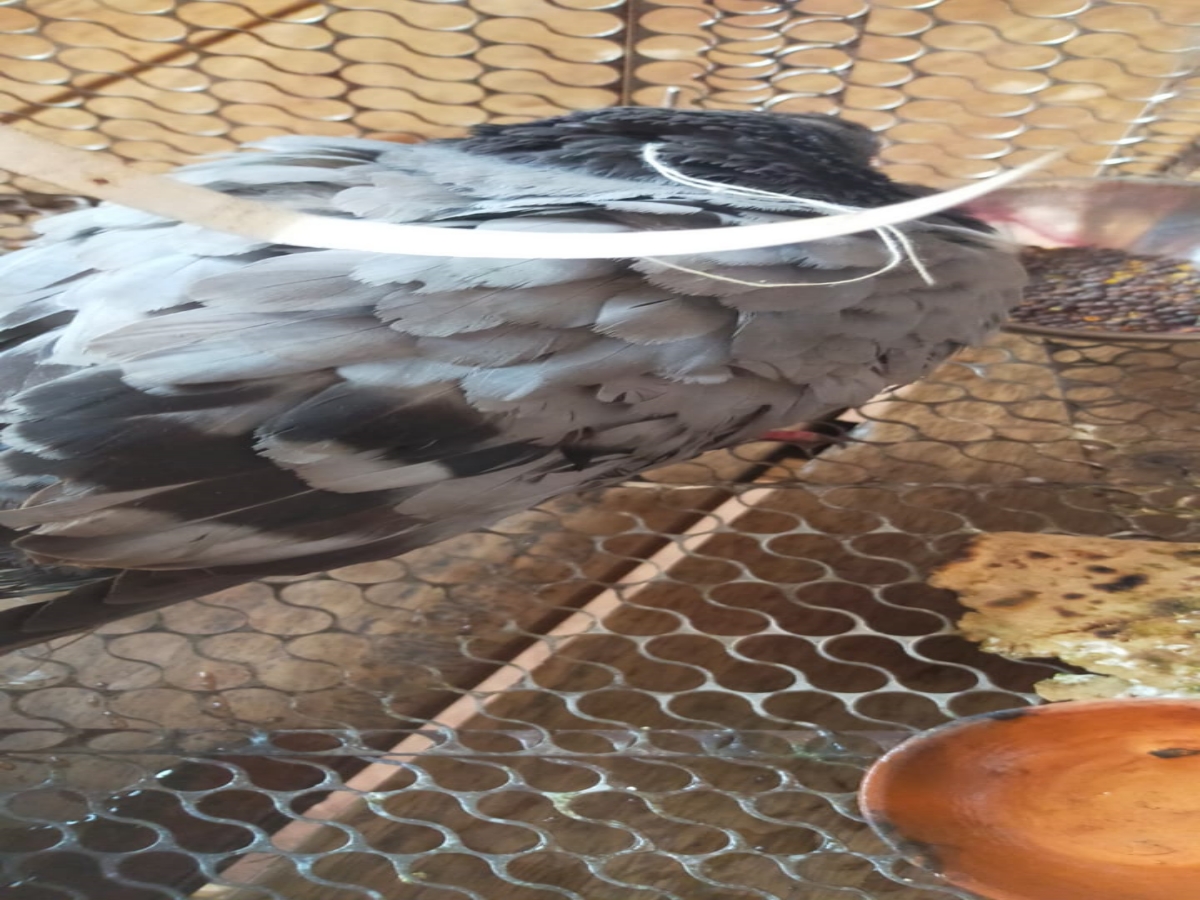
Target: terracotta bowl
[{"x": 1073, "y": 801}]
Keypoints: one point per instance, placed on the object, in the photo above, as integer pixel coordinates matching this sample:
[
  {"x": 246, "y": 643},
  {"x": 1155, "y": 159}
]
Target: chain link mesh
[{"x": 668, "y": 690}]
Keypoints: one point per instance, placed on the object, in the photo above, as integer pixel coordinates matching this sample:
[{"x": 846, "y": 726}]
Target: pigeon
[{"x": 185, "y": 410}]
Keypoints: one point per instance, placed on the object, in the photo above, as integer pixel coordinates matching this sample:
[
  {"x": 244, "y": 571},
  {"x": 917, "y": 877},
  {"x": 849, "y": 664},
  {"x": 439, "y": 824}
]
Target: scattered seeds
[{"x": 1092, "y": 289}]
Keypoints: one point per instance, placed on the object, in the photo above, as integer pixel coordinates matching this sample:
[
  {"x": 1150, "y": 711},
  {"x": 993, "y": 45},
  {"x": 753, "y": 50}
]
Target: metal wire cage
[{"x": 669, "y": 690}]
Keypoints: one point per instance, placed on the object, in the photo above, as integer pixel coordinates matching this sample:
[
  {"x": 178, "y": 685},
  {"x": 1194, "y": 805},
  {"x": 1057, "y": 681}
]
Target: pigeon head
[{"x": 816, "y": 156}]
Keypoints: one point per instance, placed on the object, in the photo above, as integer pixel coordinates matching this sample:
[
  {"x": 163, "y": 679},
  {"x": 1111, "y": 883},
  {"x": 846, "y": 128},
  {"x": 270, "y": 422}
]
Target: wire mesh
[{"x": 668, "y": 690}]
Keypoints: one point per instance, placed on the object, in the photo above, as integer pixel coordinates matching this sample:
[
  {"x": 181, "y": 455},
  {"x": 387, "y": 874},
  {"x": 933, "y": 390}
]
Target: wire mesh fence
[{"x": 668, "y": 690}]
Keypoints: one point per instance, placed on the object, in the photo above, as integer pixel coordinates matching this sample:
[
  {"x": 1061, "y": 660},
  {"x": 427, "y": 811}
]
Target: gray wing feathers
[
  {"x": 441, "y": 313},
  {"x": 279, "y": 407},
  {"x": 647, "y": 316}
]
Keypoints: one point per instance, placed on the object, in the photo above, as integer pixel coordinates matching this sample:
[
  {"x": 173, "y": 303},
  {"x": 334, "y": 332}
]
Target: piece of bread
[{"x": 1128, "y": 610}]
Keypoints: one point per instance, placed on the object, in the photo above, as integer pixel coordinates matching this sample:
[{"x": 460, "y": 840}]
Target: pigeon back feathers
[{"x": 183, "y": 410}]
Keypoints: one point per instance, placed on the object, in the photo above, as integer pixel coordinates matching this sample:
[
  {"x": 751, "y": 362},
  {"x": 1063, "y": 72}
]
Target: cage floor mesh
[{"x": 669, "y": 690}]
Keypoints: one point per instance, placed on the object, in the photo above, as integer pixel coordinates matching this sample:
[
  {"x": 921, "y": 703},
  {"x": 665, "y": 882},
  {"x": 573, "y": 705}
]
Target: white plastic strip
[{"x": 100, "y": 175}]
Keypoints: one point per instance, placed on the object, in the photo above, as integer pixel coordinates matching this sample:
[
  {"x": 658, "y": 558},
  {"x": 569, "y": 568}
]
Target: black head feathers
[{"x": 804, "y": 155}]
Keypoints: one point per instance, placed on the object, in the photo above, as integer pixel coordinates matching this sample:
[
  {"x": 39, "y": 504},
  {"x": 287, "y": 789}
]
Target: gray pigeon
[{"x": 186, "y": 410}]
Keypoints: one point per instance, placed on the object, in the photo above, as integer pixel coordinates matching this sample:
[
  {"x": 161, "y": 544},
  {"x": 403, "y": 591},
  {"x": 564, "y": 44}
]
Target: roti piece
[{"x": 1125, "y": 610}]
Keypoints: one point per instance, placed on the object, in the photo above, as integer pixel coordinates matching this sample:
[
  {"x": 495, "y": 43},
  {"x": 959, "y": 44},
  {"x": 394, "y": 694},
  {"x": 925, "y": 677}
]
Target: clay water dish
[{"x": 1073, "y": 801}]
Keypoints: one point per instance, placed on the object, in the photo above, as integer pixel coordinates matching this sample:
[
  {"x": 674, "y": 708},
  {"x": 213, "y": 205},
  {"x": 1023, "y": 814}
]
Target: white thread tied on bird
[
  {"x": 105, "y": 177},
  {"x": 894, "y": 240}
]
